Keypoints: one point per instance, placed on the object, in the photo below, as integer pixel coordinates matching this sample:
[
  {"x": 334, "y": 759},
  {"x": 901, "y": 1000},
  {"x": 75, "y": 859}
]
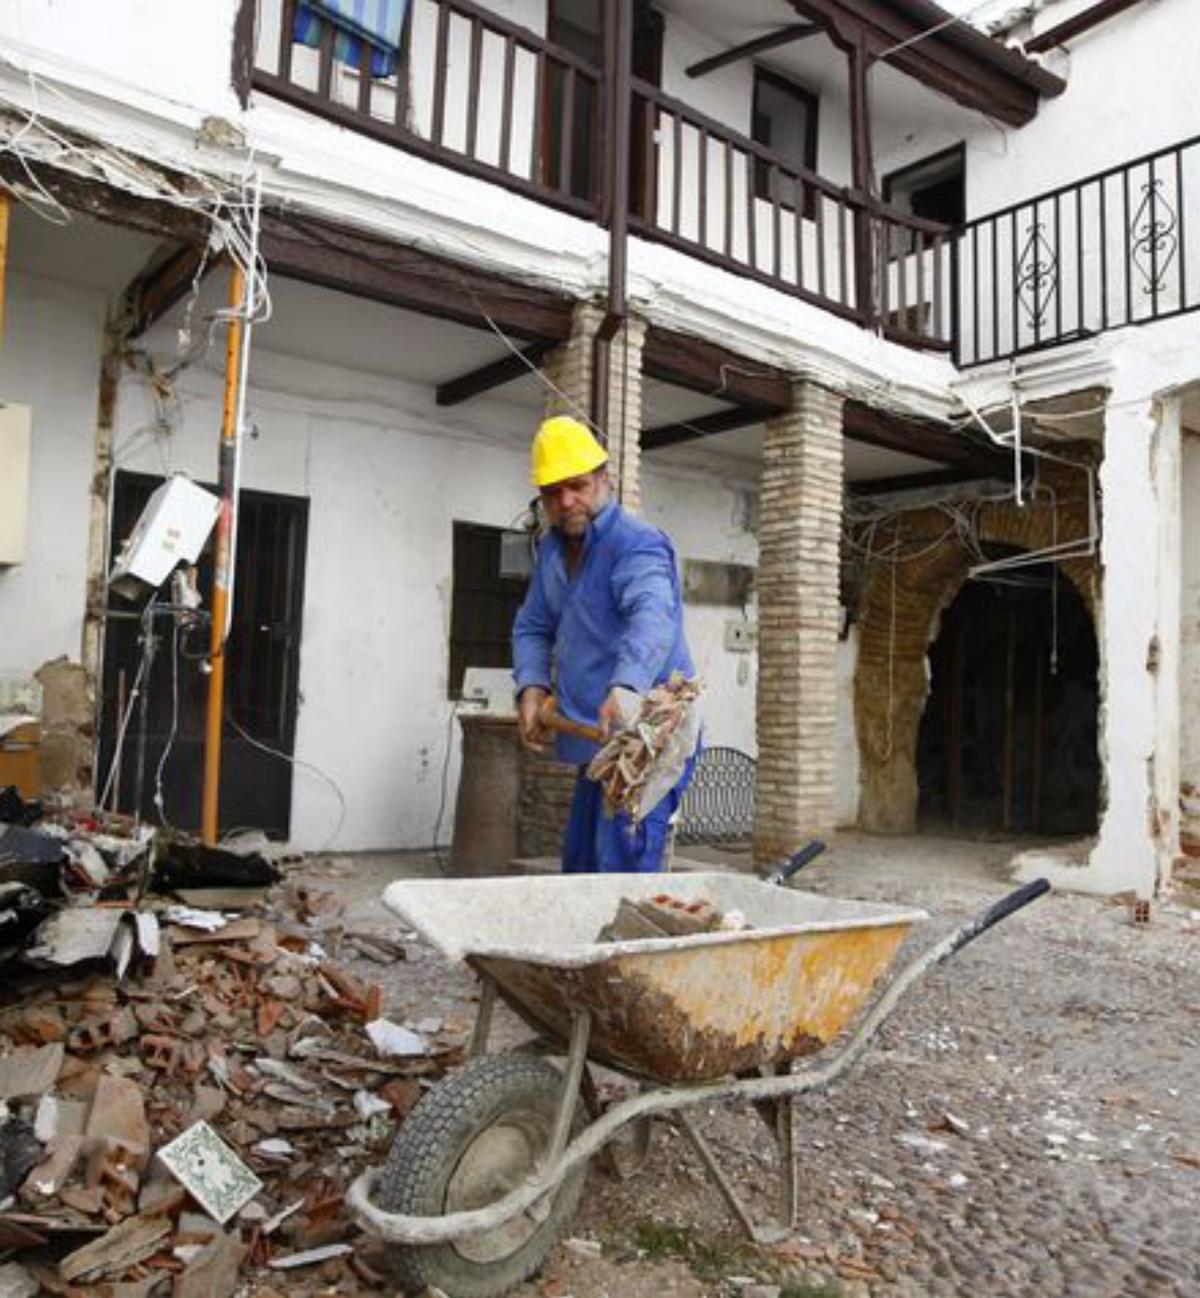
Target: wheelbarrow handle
[
  {"x": 999, "y": 910},
  {"x": 796, "y": 863}
]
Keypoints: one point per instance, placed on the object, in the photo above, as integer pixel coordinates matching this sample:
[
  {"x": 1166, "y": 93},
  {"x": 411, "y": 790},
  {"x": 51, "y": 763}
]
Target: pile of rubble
[{"x": 189, "y": 1077}]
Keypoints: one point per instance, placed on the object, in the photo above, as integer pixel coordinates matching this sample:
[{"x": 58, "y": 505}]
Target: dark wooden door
[{"x": 261, "y": 675}]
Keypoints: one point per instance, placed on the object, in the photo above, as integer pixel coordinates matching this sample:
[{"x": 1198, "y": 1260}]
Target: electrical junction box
[
  {"x": 15, "y": 424},
  {"x": 171, "y": 530},
  {"x": 740, "y": 637},
  {"x": 490, "y": 689}
]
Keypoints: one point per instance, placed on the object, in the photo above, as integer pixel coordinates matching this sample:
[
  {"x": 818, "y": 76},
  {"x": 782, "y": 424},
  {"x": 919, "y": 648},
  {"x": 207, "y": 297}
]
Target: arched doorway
[{"x": 1008, "y": 738}]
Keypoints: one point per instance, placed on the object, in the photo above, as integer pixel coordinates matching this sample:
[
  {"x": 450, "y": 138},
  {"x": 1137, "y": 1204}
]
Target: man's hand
[
  {"x": 619, "y": 710},
  {"x": 528, "y": 724}
]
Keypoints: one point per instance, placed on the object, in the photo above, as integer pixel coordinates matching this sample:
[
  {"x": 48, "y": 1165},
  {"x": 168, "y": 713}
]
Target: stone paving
[{"x": 1023, "y": 1126}]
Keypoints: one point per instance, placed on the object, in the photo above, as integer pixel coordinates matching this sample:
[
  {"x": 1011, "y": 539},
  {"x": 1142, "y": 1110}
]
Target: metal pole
[{"x": 222, "y": 570}]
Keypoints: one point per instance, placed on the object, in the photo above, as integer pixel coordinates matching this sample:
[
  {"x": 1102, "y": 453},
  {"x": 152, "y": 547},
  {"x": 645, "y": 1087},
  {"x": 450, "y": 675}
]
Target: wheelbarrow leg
[
  {"x": 785, "y": 1140},
  {"x": 715, "y": 1173},
  {"x": 581, "y": 1030},
  {"x": 483, "y": 1016}
]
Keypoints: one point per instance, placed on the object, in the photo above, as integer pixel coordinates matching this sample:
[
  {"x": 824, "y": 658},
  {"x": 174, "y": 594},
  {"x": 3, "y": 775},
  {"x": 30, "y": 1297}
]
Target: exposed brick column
[
  {"x": 799, "y": 541},
  {"x": 570, "y": 369}
]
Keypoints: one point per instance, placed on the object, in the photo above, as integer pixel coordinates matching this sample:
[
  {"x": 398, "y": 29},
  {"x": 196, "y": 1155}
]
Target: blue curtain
[{"x": 356, "y": 24}]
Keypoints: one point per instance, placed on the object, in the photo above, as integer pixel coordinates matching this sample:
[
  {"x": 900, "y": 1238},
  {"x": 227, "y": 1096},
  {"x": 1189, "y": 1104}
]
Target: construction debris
[
  {"x": 188, "y": 1077},
  {"x": 665, "y": 916},
  {"x": 641, "y": 763}
]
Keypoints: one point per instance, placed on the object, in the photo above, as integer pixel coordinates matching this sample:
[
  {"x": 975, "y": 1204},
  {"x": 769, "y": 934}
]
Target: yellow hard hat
[{"x": 564, "y": 448}]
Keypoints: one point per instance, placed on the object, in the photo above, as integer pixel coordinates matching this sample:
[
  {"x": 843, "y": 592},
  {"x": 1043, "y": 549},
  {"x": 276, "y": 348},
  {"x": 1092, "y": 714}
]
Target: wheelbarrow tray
[{"x": 666, "y": 1010}]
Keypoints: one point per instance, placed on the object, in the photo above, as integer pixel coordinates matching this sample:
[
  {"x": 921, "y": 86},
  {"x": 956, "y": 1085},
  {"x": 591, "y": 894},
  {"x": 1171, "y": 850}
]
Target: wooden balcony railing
[
  {"x": 711, "y": 192},
  {"x": 1098, "y": 254},
  {"x": 472, "y": 91},
  {"x": 485, "y": 96}
]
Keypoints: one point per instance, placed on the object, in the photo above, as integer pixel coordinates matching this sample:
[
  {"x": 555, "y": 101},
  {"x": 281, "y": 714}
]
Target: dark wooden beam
[
  {"x": 493, "y": 375},
  {"x": 956, "y": 60},
  {"x": 105, "y": 202},
  {"x": 720, "y": 421},
  {"x": 922, "y": 438},
  {"x": 242, "y": 72},
  {"x": 714, "y": 371},
  {"x": 915, "y": 481},
  {"x": 152, "y": 294},
  {"x": 366, "y": 265},
  {"x": 1076, "y": 26},
  {"x": 759, "y": 45}
]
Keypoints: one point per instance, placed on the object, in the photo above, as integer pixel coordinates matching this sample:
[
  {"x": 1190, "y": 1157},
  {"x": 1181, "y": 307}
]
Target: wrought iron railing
[
  {"x": 716, "y": 194},
  {"x": 472, "y": 91},
  {"x": 718, "y": 806},
  {"x": 1098, "y": 254}
]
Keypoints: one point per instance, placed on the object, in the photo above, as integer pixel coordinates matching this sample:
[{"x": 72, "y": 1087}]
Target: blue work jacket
[{"x": 617, "y": 620}]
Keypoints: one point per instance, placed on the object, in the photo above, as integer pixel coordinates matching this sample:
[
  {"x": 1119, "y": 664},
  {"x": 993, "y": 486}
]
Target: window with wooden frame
[
  {"x": 491, "y": 567},
  {"x": 784, "y": 120}
]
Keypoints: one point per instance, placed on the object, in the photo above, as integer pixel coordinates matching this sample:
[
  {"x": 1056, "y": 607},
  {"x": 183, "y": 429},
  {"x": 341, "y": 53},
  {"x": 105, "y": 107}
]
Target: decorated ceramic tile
[{"x": 210, "y": 1171}]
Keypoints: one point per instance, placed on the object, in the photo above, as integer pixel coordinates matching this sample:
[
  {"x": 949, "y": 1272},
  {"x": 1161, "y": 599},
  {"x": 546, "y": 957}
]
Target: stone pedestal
[{"x": 486, "y": 812}]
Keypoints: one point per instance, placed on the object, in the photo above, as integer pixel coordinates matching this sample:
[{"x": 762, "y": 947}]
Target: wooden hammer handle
[{"x": 549, "y": 719}]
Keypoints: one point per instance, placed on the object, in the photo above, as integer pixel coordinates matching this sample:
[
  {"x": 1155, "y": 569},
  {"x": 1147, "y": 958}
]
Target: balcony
[
  {"x": 1101, "y": 253},
  {"x": 484, "y": 96}
]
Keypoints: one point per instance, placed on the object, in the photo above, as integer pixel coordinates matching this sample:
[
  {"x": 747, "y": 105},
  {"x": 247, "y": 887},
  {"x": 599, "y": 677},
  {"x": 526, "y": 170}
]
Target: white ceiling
[
  {"x": 82, "y": 250},
  {"x": 817, "y": 63}
]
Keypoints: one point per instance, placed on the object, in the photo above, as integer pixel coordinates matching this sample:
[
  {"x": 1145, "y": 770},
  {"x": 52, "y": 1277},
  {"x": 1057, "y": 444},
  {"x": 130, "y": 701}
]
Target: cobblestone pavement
[{"x": 1023, "y": 1126}]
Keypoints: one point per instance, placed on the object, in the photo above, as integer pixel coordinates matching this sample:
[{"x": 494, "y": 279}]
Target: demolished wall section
[{"x": 898, "y": 616}]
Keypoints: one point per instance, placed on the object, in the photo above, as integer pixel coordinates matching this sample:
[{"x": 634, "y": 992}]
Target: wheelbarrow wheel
[{"x": 470, "y": 1141}]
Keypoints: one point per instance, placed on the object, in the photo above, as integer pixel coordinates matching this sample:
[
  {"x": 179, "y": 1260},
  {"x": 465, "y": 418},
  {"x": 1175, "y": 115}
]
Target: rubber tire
[{"x": 427, "y": 1151}]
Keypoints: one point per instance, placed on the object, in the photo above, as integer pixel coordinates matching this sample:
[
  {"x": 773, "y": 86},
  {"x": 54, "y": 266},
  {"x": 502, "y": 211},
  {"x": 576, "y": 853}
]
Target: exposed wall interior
[{"x": 914, "y": 564}]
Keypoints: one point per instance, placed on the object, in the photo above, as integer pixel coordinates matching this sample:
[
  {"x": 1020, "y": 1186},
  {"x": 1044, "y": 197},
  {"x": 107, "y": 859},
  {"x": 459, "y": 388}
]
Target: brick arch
[{"x": 900, "y": 611}]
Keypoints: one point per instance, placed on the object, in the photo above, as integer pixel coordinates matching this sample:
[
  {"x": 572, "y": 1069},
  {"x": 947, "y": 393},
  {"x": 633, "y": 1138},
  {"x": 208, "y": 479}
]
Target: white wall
[
  {"x": 50, "y": 360},
  {"x": 168, "y": 54},
  {"x": 707, "y": 519},
  {"x": 1189, "y": 666},
  {"x": 386, "y": 473}
]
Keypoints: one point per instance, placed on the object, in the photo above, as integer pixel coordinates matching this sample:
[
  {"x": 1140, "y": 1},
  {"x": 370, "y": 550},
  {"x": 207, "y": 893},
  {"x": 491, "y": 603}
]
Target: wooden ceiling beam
[
  {"x": 714, "y": 371},
  {"x": 153, "y": 293},
  {"x": 924, "y": 439},
  {"x": 759, "y": 45},
  {"x": 956, "y": 60},
  {"x": 495, "y": 374},
  {"x": 720, "y": 421},
  {"x": 368, "y": 266}
]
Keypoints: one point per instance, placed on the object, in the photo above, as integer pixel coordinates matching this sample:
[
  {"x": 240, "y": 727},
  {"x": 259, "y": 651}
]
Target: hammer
[{"x": 549, "y": 718}]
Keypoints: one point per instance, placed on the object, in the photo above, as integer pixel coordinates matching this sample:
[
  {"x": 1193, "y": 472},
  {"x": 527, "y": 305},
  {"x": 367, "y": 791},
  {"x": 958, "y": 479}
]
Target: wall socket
[{"x": 740, "y": 637}]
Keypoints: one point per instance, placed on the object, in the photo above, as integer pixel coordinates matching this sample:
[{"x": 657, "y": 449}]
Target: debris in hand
[{"x": 640, "y": 763}]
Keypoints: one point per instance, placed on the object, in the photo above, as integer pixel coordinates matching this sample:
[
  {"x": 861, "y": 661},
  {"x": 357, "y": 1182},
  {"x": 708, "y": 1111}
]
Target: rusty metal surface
[
  {"x": 703, "y": 1013},
  {"x": 670, "y": 1010}
]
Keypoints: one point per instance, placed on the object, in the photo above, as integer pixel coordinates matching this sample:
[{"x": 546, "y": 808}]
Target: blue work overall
[{"x": 617, "y": 620}]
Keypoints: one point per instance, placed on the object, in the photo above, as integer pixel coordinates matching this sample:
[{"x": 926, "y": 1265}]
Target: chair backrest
[{"x": 718, "y": 806}]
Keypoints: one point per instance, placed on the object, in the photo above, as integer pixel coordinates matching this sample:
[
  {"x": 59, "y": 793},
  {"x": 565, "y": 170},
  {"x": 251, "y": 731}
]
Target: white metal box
[
  {"x": 172, "y": 530},
  {"x": 15, "y": 439}
]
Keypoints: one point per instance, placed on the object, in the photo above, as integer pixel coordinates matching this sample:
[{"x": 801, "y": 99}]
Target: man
[{"x": 604, "y": 608}]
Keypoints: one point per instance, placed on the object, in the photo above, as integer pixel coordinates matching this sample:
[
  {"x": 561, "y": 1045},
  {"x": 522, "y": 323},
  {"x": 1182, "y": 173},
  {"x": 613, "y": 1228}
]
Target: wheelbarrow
[{"x": 487, "y": 1171}]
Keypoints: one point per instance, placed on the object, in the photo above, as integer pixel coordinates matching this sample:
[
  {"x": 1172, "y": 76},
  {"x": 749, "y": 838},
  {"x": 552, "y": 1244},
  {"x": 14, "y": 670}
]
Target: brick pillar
[
  {"x": 570, "y": 369},
  {"x": 799, "y": 540}
]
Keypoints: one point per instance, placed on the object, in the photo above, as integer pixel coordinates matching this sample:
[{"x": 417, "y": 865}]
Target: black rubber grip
[
  {"x": 1002, "y": 909},
  {"x": 809, "y": 852}
]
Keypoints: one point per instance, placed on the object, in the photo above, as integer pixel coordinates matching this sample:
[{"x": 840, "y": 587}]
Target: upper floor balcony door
[{"x": 572, "y": 112}]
